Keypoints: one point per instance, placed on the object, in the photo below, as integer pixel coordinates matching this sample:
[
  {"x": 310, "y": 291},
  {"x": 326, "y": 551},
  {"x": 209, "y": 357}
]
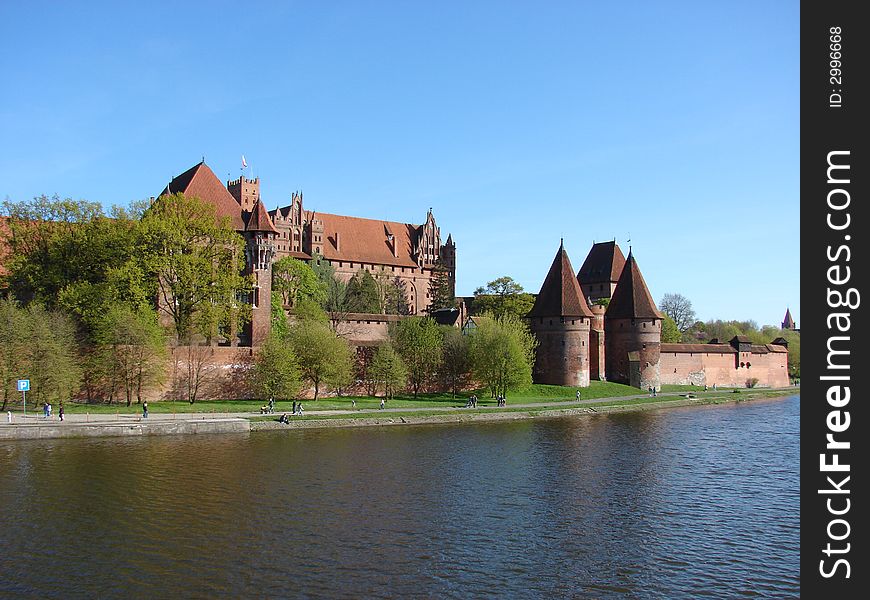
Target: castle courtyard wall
[{"x": 681, "y": 367}]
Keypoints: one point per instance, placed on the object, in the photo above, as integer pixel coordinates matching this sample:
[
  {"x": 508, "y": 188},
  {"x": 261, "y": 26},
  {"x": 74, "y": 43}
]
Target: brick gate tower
[
  {"x": 633, "y": 331},
  {"x": 260, "y": 235},
  {"x": 560, "y": 320}
]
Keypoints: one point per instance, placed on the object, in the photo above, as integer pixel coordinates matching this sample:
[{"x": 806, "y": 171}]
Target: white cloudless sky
[{"x": 672, "y": 124}]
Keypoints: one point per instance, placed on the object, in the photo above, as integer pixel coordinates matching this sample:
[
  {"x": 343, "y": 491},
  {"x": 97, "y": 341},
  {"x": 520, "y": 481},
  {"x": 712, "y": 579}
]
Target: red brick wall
[
  {"x": 562, "y": 356},
  {"x": 684, "y": 368},
  {"x": 633, "y": 335}
]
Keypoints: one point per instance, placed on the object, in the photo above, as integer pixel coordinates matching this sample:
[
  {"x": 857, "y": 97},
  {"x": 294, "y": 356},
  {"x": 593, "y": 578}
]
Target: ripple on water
[{"x": 695, "y": 502}]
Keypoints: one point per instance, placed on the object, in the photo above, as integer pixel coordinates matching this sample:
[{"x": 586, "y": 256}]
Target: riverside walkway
[{"x": 37, "y": 420}]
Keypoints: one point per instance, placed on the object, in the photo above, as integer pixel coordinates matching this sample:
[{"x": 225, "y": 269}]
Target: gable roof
[
  {"x": 604, "y": 263},
  {"x": 560, "y": 296},
  {"x": 631, "y": 299},
  {"x": 367, "y": 240},
  {"x": 200, "y": 182},
  {"x": 258, "y": 219}
]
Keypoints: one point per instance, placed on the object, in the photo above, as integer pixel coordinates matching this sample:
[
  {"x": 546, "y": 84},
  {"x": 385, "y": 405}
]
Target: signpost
[{"x": 24, "y": 387}]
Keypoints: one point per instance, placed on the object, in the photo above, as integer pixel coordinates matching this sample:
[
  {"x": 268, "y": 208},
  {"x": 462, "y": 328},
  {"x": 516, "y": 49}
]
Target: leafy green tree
[
  {"x": 502, "y": 354},
  {"x": 503, "y": 296},
  {"x": 50, "y": 359},
  {"x": 196, "y": 261},
  {"x": 295, "y": 280},
  {"x": 361, "y": 295},
  {"x": 670, "y": 333},
  {"x": 14, "y": 331},
  {"x": 276, "y": 371},
  {"x": 134, "y": 347},
  {"x": 456, "y": 360},
  {"x": 440, "y": 288},
  {"x": 323, "y": 357},
  {"x": 278, "y": 317},
  {"x": 393, "y": 294},
  {"x": 387, "y": 370},
  {"x": 418, "y": 341}
]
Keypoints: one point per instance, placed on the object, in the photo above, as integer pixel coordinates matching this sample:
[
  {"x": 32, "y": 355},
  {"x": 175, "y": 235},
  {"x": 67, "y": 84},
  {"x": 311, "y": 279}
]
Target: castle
[
  {"x": 406, "y": 252},
  {"x": 580, "y": 340}
]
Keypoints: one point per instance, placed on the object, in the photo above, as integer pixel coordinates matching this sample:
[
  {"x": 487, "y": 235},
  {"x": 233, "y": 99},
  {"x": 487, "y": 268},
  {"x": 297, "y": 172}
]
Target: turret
[
  {"x": 633, "y": 331},
  {"x": 788, "y": 321},
  {"x": 260, "y": 235},
  {"x": 245, "y": 191},
  {"x": 560, "y": 320}
]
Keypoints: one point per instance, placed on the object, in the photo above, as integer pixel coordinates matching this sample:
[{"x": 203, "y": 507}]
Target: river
[{"x": 681, "y": 503}]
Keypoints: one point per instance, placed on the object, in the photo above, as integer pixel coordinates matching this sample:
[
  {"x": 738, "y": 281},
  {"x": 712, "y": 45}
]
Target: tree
[
  {"x": 502, "y": 353},
  {"x": 440, "y": 288},
  {"x": 679, "y": 308},
  {"x": 196, "y": 261},
  {"x": 277, "y": 316},
  {"x": 323, "y": 357},
  {"x": 133, "y": 345},
  {"x": 335, "y": 304},
  {"x": 295, "y": 280},
  {"x": 670, "y": 333},
  {"x": 361, "y": 295},
  {"x": 50, "y": 359},
  {"x": 501, "y": 297},
  {"x": 418, "y": 341},
  {"x": 393, "y": 293},
  {"x": 456, "y": 362},
  {"x": 13, "y": 348},
  {"x": 276, "y": 371},
  {"x": 387, "y": 369}
]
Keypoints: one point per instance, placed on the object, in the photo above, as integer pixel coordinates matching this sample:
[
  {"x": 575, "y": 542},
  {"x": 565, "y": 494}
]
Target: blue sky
[{"x": 674, "y": 124}]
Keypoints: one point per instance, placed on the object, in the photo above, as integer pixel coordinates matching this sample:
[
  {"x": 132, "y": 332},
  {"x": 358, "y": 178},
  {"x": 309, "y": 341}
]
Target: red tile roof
[
  {"x": 367, "y": 240},
  {"x": 560, "y": 296},
  {"x": 631, "y": 299},
  {"x": 603, "y": 264},
  {"x": 200, "y": 182},
  {"x": 259, "y": 219}
]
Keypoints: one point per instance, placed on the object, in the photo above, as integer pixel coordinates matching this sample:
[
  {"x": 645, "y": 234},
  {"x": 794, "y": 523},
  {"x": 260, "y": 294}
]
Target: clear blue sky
[{"x": 675, "y": 124}]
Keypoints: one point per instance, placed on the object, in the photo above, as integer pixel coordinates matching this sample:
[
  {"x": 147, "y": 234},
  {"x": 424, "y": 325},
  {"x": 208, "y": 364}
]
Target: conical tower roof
[
  {"x": 560, "y": 296},
  {"x": 631, "y": 299},
  {"x": 259, "y": 219},
  {"x": 788, "y": 321}
]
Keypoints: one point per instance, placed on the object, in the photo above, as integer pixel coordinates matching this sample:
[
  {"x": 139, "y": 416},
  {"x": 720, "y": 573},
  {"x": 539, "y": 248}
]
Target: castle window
[
  {"x": 743, "y": 364},
  {"x": 748, "y": 365},
  {"x": 551, "y": 321}
]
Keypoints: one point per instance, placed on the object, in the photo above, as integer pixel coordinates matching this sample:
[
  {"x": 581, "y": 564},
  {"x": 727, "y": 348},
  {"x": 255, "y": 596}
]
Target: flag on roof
[{"x": 244, "y": 162}]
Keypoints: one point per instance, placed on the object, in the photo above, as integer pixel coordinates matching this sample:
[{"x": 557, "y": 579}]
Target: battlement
[{"x": 243, "y": 179}]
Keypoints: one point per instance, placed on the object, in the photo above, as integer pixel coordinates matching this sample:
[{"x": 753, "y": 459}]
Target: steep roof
[
  {"x": 199, "y": 181},
  {"x": 604, "y": 263},
  {"x": 259, "y": 220},
  {"x": 367, "y": 240},
  {"x": 788, "y": 321},
  {"x": 631, "y": 299},
  {"x": 560, "y": 296}
]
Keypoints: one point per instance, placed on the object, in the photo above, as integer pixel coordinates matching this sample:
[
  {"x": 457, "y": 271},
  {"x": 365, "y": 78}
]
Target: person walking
[
  {"x": 60, "y": 411},
  {"x": 294, "y": 408},
  {"x": 578, "y": 395},
  {"x": 145, "y": 409},
  {"x": 353, "y": 403},
  {"x": 382, "y": 404},
  {"x": 48, "y": 415}
]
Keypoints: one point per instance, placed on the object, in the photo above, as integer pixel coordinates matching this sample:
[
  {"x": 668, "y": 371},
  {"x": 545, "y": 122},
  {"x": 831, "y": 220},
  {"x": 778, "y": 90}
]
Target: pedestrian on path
[
  {"x": 578, "y": 395},
  {"x": 49, "y": 410},
  {"x": 8, "y": 416},
  {"x": 145, "y": 409},
  {"x": 60, "y": 411},
  {"x": 45, "y": 410},
  {"x": 382, "y": 403},
  {"x": 353, "y": 403}
]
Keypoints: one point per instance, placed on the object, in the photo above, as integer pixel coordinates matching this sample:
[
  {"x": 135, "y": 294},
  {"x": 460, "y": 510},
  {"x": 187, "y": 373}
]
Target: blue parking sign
[{"x": 23, "y": 385}]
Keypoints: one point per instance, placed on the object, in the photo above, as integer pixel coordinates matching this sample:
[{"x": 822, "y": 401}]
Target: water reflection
[{"x": 678, "y": 503}]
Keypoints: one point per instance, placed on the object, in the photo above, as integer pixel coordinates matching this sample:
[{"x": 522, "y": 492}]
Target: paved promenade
[{"x": 166, "y": 420}]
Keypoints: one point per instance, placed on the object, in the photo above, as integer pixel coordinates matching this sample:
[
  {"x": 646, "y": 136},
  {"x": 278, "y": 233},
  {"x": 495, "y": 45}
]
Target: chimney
[
  {"x": 337, "y": 243},
  {"x": 395, "y": 244}
]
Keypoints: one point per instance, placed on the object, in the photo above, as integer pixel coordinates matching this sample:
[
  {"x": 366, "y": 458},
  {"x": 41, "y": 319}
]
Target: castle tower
[
  {"x": 245, "y": 191},
  {"x": 788, "y": 321},
  {"x": 313, "y": 238},
  {"x": 596, "y": 342},
  {"x": 601, "y": 270},
  {"x": 560, "y": 320},
  {"x": 448, "y": 260},
  {"x": 260, "y": 236},
  {"x": 633, "y": 331}
]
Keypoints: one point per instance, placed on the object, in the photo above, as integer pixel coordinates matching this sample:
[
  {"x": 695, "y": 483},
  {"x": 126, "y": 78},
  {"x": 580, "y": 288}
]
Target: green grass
[{"x": 533, "y": 394}]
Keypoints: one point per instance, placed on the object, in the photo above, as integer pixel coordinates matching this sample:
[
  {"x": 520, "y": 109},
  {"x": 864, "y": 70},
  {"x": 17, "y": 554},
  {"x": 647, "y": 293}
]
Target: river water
[{"x": 682, "y": 503}]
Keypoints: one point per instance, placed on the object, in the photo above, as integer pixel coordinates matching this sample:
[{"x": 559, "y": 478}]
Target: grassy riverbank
[{"x": 531, "y": 394}]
